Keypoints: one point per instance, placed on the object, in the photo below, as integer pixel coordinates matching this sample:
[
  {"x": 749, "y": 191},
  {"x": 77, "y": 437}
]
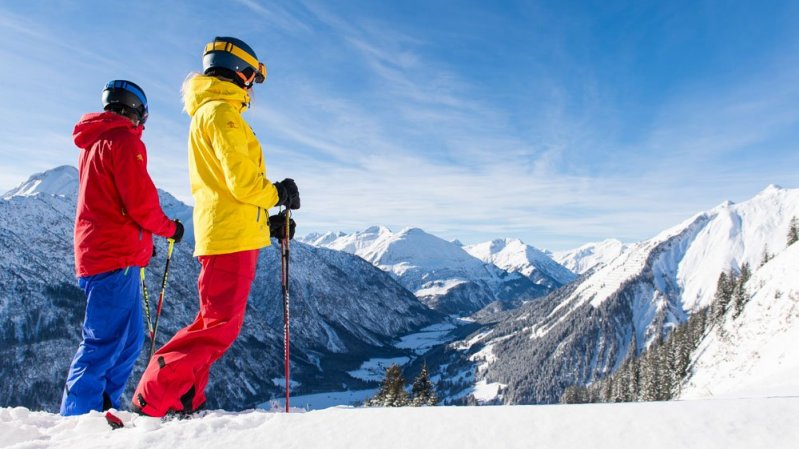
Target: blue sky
[{"x": 556, "y": 122}]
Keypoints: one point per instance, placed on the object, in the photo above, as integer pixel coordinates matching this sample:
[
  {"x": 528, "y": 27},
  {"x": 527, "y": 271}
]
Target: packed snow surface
[{"x": 705, "y": 424}]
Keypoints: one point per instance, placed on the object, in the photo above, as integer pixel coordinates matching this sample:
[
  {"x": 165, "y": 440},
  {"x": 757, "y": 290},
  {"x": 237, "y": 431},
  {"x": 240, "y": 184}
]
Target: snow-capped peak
[
  {"x": 442, "y": 274},
  {"x": 516, "y": 256},
  {"x": 590, "y": 255},
  {"x": 354, "y": 243},
  {"x": 60, "y": 181},
  {"x": 320, "y": 239},
  {"x": 771, "y": 189}
]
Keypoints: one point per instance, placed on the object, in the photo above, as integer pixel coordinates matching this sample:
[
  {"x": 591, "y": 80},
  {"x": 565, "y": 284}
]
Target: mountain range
[{"x": 448, "y": 277}]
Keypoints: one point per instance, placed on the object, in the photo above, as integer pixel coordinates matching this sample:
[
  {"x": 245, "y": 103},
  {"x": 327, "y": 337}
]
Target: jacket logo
[
  {"x": 231, "y": 124},
  {"x": 139, "y": 157}
]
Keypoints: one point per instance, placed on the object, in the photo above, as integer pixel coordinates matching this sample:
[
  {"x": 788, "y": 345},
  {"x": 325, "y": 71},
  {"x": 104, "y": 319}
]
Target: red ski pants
[{"x": 176, "y": 376}]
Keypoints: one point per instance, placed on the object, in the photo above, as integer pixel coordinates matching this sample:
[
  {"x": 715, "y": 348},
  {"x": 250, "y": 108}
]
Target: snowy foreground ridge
[{"x": 735, "y": 423}]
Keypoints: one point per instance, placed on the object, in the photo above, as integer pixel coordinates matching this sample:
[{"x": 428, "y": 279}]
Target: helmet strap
[{"x": 247, "y": 81}]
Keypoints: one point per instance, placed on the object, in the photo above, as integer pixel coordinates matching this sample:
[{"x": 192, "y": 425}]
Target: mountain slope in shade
[
  {"x": 440, "y": 273},
  {"x": 344, "y": 311},
  {"x": 582, "y": 259},
  {"x": 515, "y": 256},
  {"x": 584, "y": 331},
  {"x": 756, "y": 353},
  {"x": 61, "y": 181}
]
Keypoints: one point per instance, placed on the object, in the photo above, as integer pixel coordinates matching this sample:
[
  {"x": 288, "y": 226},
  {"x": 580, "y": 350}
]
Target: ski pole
[
  {"x": 284, "y": 264},
  {"x": 146, "y": 301},
  {"x": 154, "y": 330}
]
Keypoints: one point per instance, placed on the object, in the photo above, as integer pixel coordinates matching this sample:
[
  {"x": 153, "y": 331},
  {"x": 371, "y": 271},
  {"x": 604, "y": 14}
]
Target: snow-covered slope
[
  {"x": 343, "y": 311},
  {"x": 582, "y": 332},
  {"x": 62, "y": 181},
  {"x": 515, "y": 256},
  {"x": 754, "y": 354},
  {"x": 730, "y": 424},
  {"x": 590, "y": 255},
  {"x": 440, "y": 273}
]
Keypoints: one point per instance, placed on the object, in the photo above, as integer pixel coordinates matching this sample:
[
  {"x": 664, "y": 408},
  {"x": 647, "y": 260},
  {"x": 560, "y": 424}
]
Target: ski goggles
[{"x": 257, "y": 70}]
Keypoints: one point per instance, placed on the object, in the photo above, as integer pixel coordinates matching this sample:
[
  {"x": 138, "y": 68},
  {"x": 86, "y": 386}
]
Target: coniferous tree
[
  {"x": 793, "y": 231},
  {"x": 746, "y": 273},
  {"x": 650, "y": 376},
  {"x": 739, "y": 298},
  {"x": 605, "y": 391},
  {"x": 392, "y": 392},
  {"x": 723, "y": 296},
  {"x": 634, "y": 386},
  {"x": 616, "y": 388},
  {"x": 575, "y": 394},
  {"x": 423, "y": 392},
  {"x": 681, "y": 349},
  {"x": 766, "y": 256},
  {"x": 665, "y": 366}
]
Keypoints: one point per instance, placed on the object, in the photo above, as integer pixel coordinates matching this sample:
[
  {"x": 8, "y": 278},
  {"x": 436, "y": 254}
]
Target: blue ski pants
[{"x": 113, "y": 336}]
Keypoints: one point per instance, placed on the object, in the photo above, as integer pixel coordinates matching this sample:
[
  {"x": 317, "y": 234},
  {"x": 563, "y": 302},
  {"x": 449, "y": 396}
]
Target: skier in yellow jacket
[{"x": 231, "y": 195}]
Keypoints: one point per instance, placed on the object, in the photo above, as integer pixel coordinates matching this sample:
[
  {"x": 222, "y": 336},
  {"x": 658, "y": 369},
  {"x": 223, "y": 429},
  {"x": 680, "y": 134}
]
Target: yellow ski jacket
[{"x": 226, "y": 170}]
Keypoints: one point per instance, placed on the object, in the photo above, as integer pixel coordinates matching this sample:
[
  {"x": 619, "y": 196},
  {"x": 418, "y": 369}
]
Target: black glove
[
  {"x": 277, "y": 226},
  {"x": 178, "y": 235},
  {"x": 288, "y": 194}
]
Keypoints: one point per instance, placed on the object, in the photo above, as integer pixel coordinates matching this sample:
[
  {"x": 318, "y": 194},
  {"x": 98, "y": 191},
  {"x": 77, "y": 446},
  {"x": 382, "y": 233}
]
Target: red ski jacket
[{"x": 118, "y": 208}]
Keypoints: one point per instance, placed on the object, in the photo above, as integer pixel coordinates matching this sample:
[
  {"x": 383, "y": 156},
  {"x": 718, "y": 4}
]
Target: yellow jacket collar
[{"x": 201, "y": 89}]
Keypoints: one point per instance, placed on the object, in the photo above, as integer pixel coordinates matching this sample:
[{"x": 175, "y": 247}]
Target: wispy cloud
[{"x": 277, "y": 14}]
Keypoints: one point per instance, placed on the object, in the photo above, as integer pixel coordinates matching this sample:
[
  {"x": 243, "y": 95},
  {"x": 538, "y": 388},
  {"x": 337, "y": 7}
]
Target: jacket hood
[
  {"x": 91, "y": 126},
  {"x": 200, "y": 89}
]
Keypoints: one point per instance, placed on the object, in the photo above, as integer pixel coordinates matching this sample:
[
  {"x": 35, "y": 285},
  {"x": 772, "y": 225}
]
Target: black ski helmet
[
  {"x": 122, "y": 95},
  {"x": 233, "y": 55}
]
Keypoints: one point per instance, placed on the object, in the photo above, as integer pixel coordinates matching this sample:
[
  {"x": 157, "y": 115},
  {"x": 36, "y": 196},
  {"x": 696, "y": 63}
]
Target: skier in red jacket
[{"x": 117, "y": 213}]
